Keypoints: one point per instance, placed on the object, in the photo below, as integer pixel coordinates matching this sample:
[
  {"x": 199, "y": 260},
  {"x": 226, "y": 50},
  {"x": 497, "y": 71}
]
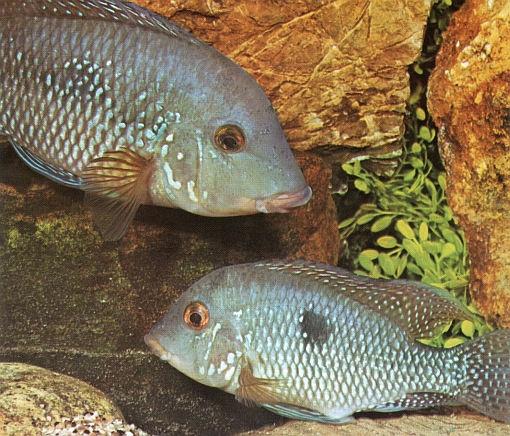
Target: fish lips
[
  {"x": 283, "y": 202},
  {"x": 174, "y": 360}
]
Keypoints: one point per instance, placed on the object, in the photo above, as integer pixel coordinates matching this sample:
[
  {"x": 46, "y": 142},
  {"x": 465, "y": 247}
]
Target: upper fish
[
  {"x": 111, "y": 98},
  {"x": 314, "y": 342}
]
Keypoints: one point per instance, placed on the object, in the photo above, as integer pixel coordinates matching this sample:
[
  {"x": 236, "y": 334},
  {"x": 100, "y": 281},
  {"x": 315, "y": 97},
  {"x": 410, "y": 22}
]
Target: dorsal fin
[
  {"x": 108, "y": 10},
  {"x": 421, "y": 310}
]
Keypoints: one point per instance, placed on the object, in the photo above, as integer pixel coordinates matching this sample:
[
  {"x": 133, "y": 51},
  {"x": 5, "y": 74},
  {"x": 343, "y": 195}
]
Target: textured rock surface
[
  {"x": 423, "y": 424},
  {"x": 335, "y": 70},
  {"x": 469, "y": 99},
  {"x": 74, "y": 304},
  {"x": 32, "y": 398}
]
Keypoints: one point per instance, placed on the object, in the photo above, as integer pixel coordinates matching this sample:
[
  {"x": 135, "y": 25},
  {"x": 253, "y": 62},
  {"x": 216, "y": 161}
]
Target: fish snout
[
  {"x": 283, "y": 202},
  {"x": 156, "y": 347}
]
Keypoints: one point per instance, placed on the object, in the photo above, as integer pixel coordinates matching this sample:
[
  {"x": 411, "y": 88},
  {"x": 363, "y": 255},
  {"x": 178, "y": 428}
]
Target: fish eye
[
  {"x": 196, "y": 315},
  {"x": 229, "y": 138}
]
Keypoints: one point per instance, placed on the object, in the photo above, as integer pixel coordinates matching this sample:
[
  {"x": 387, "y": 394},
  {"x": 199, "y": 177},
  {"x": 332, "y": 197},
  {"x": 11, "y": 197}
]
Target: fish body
[
  {"x": 314, "y": 342},
  {"x": 108, "y": 97}
]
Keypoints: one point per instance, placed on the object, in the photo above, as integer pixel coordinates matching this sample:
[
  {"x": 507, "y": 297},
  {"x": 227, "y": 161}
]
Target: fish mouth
[
  {"x": 283, "y": 202},
  {"x": 169, "y": 357},
  {"x": 157, "y": 348}
]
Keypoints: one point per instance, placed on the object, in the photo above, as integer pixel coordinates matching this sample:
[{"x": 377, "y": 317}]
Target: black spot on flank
[{"x": 315, "y": 328}]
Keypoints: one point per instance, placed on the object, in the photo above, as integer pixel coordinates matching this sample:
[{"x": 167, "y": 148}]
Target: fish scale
[
  {"x": 76, "y": 90},
  {"x": 315, "y": 342},
  {"x": 313, "y": 369},
  {"x": 90, "y": 87}
]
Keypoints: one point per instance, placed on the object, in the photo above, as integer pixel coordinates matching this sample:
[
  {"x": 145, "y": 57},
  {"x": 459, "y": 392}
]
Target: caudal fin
[{"x": 487, "y": 388}]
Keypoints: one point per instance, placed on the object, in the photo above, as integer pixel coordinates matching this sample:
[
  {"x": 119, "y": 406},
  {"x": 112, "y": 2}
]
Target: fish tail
[{"x": 487, "y": 385}]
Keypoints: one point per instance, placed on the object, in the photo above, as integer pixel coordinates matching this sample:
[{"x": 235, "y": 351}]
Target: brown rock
[
  {"x": 335, "y": 70},
  {"x": 469, "y": 99},
  {"x": 33, "y": 398}
]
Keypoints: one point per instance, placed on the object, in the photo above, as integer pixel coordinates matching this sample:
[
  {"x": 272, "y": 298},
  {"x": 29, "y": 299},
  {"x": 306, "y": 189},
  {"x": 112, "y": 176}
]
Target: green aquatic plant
[
  {"x": 405, "y": 228},
  {"x": 414, "y": 234}
]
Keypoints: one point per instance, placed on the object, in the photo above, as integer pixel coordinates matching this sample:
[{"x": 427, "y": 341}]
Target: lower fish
[
  {"x": 111, "y": 98},
  {"x": 314, "y": 342}
]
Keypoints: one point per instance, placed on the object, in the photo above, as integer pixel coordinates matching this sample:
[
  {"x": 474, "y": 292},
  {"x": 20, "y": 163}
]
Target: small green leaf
[
  {"x": 387, "y": 242},
  {"x": 402, "y": 265},
  {"x": 409, "y": 175},
  {"x": 468, "y": 328},
  {"x": 366, "y": 259},
  {"x": 424, "y": 231},
  {"x": 432, "y": 247},
  {"x": 448, "y": 250},
  {"x": 356, "y": 168},
  {"x": 362, "y": 186},
  {"x": 425, "y": 133},
  {"x": 405, "y": 229},
  {"x": 425, "y": 261},
  {"x": 412, "y": 247},
  {"x": 441, "y": 180},
  {"x": 348, "y": 168},
  {"x": 413, "y": 269},
  {"x": 453, "y": 342},
  {"x": 438, "y": 219},
  {"x": 421, "y": 114},
  {"x": 381, "y": 224},
  {"x": 346, "y": 223},
  {"x": 364, "y": 219},
  {"x": 448, "y": 214},
  {"x": 370, "y": 253},
  {"x": 416, "y": 148},
  {"x": 448, "y": 234},
  {"x": 418, "y": 69},
  {"x": 416, "y": 162},
  {"x": 387, "y": 264}
]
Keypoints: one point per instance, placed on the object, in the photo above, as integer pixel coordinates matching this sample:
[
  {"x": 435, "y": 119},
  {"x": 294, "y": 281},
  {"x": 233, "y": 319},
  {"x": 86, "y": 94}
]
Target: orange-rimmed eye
[
  {"x": 196, "y": 315},
  {"x": 229, "y": 138}
]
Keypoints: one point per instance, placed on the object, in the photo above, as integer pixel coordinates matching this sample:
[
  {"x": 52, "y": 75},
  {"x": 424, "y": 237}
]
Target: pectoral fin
[
  {"x": 258, "y": 391},
  {"x": 115, "y": 185}
]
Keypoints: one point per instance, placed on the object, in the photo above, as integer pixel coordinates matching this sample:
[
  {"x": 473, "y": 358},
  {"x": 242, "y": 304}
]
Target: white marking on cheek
[
  {"x": 170, "y": 176},
  {"x": 164, "y": 150},
  {"x": 191, "y": 192},
  {"x": 201, "y": 370},
  {"x": 223, "y": 366},
  {"x": 230, "y": 358},
  {"x": 230, "y": 373},
  {"x": 213, "y": 335},
  {"x": 211, "y": 369},
  {"x": 180, "y": 156},
  {"x": 170, "y": 137}
]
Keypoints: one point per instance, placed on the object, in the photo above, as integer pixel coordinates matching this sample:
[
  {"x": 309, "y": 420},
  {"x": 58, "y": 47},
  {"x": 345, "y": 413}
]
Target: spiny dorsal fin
[
  {"x": 108, "y": 10},
  {"x": 419, "y": 309},
  {"x": 115, "y": 185}
]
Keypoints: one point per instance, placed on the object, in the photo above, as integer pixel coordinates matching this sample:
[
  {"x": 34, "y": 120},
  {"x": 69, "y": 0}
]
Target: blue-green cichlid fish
[
  {"x": 314, "y": 342},
  {"x": 111, "y": 98}
]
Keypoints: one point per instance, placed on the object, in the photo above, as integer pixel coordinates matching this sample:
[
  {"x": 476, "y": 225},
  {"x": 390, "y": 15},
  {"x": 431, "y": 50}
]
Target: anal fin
[
  {"x": 303, "y": 414},
  {"x": 417, "y": 400},
  {"x": 115, "y": 184},
  {"x": 45, "y": 168}
]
